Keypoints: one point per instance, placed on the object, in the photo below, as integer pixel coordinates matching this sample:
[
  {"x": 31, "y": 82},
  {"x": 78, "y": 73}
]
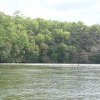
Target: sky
[{"x": 87, "y": 11}]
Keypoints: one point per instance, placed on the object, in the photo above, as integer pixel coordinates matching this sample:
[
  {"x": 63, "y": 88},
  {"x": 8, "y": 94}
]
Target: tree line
[{"x": 27, "y": 40}]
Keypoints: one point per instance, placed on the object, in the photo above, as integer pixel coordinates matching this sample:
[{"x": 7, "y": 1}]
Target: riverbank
[{"x": 51, "y": 64}]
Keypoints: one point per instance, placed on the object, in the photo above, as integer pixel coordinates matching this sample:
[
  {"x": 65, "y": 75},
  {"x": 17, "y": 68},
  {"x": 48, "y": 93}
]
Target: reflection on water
[{"x": 49, "y": 83}]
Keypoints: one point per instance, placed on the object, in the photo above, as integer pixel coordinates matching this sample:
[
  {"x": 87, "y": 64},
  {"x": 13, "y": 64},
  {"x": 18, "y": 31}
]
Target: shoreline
[{"x": 50, "y": 64}]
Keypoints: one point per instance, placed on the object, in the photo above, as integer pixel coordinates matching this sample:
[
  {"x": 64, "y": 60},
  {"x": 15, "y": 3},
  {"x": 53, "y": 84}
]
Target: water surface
[{"x": 19, "y": 82}]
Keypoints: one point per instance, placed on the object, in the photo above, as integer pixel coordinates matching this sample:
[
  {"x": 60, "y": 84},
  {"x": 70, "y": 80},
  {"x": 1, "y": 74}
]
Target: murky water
[{"x": 49, "y": 83}]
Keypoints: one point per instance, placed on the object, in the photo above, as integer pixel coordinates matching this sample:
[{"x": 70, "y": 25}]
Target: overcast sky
[{"x": 87, "y": 11}]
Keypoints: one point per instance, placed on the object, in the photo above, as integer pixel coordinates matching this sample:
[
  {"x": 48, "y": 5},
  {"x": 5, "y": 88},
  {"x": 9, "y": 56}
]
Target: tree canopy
[{"x": 23, "y": 39}]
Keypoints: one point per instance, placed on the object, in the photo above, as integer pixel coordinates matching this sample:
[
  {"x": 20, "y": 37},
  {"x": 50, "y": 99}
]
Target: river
[{"x": 36, "y": 82}]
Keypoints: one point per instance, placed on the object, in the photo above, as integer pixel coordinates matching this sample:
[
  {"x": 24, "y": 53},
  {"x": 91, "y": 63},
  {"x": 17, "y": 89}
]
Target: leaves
[{"x": 24, "y": 39}]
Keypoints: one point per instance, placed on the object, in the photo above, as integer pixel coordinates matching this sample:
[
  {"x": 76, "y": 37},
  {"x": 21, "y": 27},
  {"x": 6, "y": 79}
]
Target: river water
[{"x": 19, "y": 82}]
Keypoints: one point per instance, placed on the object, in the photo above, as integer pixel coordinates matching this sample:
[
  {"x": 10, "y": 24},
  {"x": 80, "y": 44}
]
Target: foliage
[{"x": 23, "y": 39}]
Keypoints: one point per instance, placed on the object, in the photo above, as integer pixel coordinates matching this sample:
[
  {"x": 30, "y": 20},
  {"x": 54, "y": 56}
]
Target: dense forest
[{"x": 27, "y": 40}]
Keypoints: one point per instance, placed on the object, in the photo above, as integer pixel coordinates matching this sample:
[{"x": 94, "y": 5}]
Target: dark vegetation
[{"x": 23, "y": 39}]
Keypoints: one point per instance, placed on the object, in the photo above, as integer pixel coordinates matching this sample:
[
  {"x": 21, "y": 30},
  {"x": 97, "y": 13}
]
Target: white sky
[{"x": 87, "y": 11}]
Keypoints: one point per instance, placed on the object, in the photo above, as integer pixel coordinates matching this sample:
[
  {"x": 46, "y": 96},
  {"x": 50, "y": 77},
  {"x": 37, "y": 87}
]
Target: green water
[{"x": 49, "y": 83}]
